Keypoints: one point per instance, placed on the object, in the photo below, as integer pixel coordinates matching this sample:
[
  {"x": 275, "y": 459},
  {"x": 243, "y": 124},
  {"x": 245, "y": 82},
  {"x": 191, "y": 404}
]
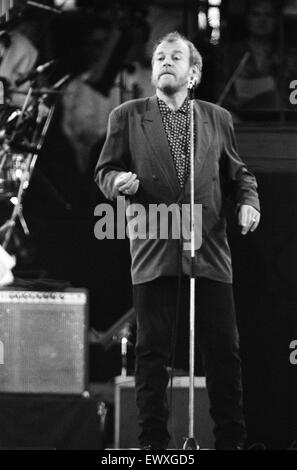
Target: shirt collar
[{"x": 183, "y": 109}]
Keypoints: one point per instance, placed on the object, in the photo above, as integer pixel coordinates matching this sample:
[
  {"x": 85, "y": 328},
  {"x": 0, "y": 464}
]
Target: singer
[{"x": 146, "y": 158}]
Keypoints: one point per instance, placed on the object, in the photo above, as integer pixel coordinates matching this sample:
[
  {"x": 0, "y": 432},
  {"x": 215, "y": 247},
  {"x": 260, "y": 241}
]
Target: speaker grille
[{"x": 44, "y": 342}]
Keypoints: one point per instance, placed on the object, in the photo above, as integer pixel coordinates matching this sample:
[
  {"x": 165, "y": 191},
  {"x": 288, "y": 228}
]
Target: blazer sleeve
[
  {"x": 241, "y": 184},
  {"x": 114, "y": 157}
]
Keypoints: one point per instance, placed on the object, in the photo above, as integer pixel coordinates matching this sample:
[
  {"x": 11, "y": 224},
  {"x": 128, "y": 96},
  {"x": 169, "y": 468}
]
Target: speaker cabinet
[
  {"x": 43, "y": 341},
  {"x": 126, "y": 427},
  {"x": 48, "y": 422}
]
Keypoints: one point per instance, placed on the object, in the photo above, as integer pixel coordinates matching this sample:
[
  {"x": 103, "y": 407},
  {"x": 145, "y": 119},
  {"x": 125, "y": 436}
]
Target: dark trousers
[{"x": 218, "y": 342}]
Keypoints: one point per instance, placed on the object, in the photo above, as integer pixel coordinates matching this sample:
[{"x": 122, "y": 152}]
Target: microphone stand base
[{"x": 190, "y": 444}]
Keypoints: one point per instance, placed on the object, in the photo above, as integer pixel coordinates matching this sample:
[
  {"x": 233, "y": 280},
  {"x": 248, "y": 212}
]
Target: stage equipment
[
  {"x": 43, "y": 336},
  {"x": 22, "y": 134},
  {"x": 125, "y": 421},
  {"x": 190, "y": 442}
]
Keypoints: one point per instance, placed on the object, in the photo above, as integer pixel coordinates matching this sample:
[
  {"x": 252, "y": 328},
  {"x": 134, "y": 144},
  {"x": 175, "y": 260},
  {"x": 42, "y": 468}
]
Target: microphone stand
[{"x": 190, "y": 442}]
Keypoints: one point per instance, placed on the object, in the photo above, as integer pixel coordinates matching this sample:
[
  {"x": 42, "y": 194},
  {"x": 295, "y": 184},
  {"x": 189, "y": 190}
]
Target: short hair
[{"x": 195, "y": 56}]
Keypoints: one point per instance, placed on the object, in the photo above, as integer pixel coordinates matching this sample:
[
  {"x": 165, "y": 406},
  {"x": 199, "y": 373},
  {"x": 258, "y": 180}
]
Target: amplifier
[
  {"x": 126, "y": 427},
  {"x": 43, "y": 339}
]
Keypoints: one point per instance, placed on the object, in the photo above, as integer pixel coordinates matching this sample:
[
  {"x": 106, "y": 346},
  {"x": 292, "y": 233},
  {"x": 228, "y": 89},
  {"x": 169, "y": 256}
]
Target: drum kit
[
  {"x": 22, "y": 129},
  {"x": 22, "y": 134}
]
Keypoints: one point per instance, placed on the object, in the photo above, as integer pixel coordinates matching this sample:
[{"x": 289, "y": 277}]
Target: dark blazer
[{"x": 136, "y": 142}]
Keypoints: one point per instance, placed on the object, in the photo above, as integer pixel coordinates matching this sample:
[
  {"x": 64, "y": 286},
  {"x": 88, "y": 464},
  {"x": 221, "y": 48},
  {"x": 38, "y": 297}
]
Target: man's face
[
  {"x": 171, "y": 68},
  {"x": 261, "y": 20}
]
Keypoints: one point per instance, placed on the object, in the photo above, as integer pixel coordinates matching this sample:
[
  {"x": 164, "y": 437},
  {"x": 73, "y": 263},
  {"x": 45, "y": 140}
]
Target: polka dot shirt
[{"x": 177, "y": 128}]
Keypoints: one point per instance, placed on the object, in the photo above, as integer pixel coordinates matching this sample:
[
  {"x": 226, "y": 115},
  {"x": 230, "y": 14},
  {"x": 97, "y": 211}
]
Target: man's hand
[
  {"x": 248, "y": 218},
  {"x": 126, "y": 183}
]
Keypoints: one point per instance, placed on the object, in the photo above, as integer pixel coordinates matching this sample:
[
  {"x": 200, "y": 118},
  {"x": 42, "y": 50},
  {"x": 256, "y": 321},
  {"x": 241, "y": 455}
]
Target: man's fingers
[
  {"x": 245, "y": 230},
  {"x": 254, "y": 221},
  {"x": 122, "y": 178},
  {"x": 127, "y": 184},
  {"x": 243, "y": 218},
  {"x": 254, "y": 225},
  {"x": 248, "y": 219},
  {"x": 132, "y": 189},
  {"x": 243, "y": 221},
  {"x": 250, "y": 223}
]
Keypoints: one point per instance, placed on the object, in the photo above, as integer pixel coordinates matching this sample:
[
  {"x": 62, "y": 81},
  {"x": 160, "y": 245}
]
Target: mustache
[{"x": 166, "y": 72}]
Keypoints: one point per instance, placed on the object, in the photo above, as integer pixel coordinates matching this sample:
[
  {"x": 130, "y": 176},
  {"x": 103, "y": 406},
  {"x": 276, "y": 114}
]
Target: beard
[{"x": 169, "y": 88}]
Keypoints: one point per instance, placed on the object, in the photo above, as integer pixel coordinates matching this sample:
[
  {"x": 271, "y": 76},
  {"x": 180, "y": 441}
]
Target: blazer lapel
[
  {"x": 202, "y": 136},
  {"x": 154, "y": 132},
  {"x": 203, "y": 142}
]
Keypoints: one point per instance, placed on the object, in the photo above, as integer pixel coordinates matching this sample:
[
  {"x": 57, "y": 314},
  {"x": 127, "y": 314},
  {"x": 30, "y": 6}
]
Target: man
[
  {"x": 146, "y": 157},
  {"x": 263, "y": 79},
  {"x": 17, "y": 57}
]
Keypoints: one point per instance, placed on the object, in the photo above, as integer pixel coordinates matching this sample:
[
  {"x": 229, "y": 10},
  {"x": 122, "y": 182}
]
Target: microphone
[
  {"x": 192, "y": 83},
  {"x": 33, "y": 73}
]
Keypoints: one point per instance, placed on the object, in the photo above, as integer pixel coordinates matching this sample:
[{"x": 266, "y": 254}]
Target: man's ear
[{"x": 196, "y": 72}]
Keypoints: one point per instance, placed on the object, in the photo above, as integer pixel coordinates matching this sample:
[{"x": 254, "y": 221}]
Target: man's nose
[{"x": 167, "y": 62}]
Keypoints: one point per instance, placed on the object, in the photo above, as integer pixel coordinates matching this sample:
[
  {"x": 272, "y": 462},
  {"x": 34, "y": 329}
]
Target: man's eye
[{"x": 176, "y": 58}]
